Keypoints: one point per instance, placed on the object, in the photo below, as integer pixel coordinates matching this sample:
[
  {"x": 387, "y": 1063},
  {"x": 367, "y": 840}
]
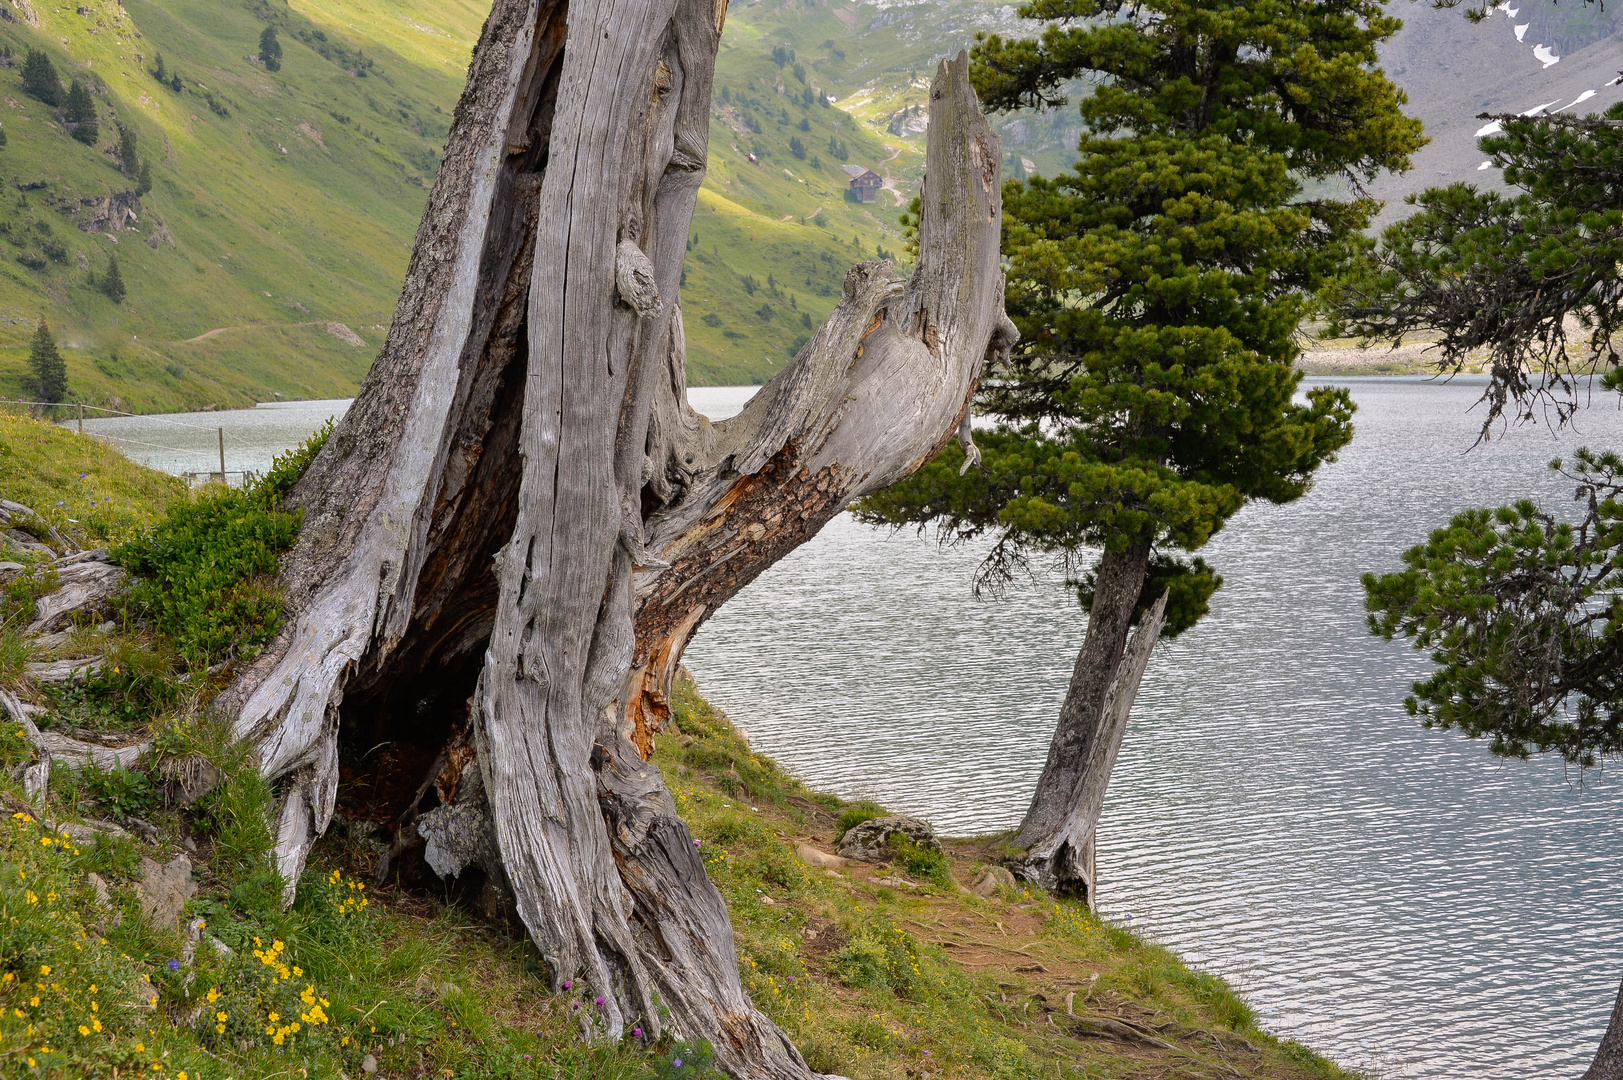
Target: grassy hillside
[
  {"x": 267, "y": 256},
  {"x": 81, "y": 486},
  {"x": 878, "y": 972},
  {"x": 282, "y": 204}
]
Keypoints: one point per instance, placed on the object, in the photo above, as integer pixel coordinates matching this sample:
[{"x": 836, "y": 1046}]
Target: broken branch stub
[{"x": 514, "y": 531}]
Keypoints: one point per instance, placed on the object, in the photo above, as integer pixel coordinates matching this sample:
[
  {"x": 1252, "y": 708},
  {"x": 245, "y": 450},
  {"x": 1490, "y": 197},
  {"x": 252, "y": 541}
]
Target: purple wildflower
[
  {"x": 600, "y": 1001},
  {"x": 677, "y": 1064},
  {"x": 695, "y": 843},
  {"x": 173, "y": 965},
  {"x": 636, "y": 1032},
  {"x": 567, "y": 984}
]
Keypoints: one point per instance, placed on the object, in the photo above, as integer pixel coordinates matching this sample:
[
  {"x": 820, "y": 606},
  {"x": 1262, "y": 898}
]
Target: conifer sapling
[
  {"x": 113, "y": 283},
  {"x": 39, "y": 78},
  {"x": 50, "y": 373},
  {"x": 270, "y": 50}
]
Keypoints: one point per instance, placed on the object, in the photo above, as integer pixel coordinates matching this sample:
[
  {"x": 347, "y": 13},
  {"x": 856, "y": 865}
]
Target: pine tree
[
  {"x": 2, "y": 136},
  {"x": 1157, "y": 286},
  {"x": 144, "y": 184},
  {"x": 270, "y": 50},
  {"x": 80, "y": 113},
  {"x": 39, "y": 78},
  {"x": 45, "y": 361},
  {"x": 175, "y": 82},
  {"x": 158, "y": 70},
  {"x": 797, "y": 148},
  {"x": 128, "y": 160},
  {"x": 113, "y": 283}
]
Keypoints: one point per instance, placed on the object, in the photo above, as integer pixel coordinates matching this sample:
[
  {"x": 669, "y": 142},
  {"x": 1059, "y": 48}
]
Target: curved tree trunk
[
  {"x": 1608, "y": 1063},
  {"x": 1057, "y": 831},
  {"x": 513, "y": 533}
]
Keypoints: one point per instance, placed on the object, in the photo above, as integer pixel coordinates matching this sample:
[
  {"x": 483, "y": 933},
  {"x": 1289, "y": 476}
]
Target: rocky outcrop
[
  {"x": 164, "y": 889},
  {"x": 108, "y": 213},
  {"x": 871, "y": 840}
]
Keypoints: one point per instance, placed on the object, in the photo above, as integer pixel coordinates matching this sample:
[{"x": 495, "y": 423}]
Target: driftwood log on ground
[{"x": 519, "y": 524}]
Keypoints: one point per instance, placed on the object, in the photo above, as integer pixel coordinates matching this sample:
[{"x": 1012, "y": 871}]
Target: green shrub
[
  {"x": 119, "y": 793},
  {"x": 855, "y": 815},
  {"x": 922, "y": 862},
  {"x": 133, "y": 686},
  {"x": 202, "y": 573},
  {"x": 881, "y": 957}
]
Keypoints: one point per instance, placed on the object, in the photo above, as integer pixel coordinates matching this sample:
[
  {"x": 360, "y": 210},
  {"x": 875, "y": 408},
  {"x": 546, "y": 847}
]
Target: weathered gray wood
[
  {"x": 520, "y": 521},
  {"x": 1061, "y": 860}
]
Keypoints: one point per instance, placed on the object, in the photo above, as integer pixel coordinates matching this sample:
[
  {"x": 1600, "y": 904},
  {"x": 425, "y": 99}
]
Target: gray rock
[
  {"x": 188, "y": 779},
  {"x": 104, "y": 900},
  {"x": 9, "y": 570},
  {"x": 991, "y": 879},
  {"x": 870, "y": 841},
  {"x": 86, "y": 833},
  {"x": 164, "y": 890},
  {"x": 148, "y": 995},
  {"x": 813, "y": 857},
  {"x": 369, "y": 1065}
]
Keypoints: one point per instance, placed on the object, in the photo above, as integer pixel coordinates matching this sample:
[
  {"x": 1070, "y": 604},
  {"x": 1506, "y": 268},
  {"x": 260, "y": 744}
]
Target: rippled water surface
[
  {"x": 1390, "y": 896},
  {"x": 1393, "y": 897}
]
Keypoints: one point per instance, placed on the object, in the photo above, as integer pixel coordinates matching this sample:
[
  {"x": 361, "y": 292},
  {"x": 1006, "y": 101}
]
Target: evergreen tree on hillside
[
  {"x": 144, "y": 184},
  {"x": 2, "y": 136},
  {"x": 797, "y": 148},
  {"x": 113, "y": 283},
  {"x": 128, "y": 160},
  {"x": 158, "y": 70},
  {"x": 45, "y": 362},
  {"x": 80, "y": 112},
  {"x": 39, "y": 78},
  {"x": 270, "y": 50},
  {"x": 175, "y": 82}
]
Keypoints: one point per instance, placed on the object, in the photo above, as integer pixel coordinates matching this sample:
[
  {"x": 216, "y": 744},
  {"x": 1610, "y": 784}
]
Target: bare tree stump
[{"x": 513, "y": 533}]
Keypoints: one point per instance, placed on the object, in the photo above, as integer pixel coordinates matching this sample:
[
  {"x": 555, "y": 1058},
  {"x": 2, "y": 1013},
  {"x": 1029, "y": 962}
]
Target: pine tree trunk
[
  {"x": 515, "y": 530},
  {"x": 1057, "y": 831},
  {"x": 1608, "y": 1063}
]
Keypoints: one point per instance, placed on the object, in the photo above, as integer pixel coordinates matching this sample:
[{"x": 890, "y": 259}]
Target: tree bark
[
  {"x": 1608, "y": 1063},
  {"x": 1057, "y": 831},
  {"x": 515, "y": 530}
]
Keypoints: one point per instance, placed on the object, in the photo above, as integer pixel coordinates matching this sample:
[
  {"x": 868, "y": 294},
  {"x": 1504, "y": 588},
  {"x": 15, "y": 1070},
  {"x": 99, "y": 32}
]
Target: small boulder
[
  {"x": 870, "y": 841},
  {"x": 991, "y": 879},
  {"x": 104, "y": 900},
  {"x": 148, "y": 995},
  {"x": 186, "y": 780},
  {"x": 164, "y": 890},
  {"x": 813, "y": 857}
]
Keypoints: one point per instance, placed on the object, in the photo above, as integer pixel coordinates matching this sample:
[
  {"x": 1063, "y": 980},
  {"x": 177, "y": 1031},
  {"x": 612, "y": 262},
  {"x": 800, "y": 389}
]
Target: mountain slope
[{"x": 282, "y": 205}]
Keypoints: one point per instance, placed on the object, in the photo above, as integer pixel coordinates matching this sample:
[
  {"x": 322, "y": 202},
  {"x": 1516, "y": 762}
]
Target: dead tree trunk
[
  {"x": 1057, "y": 832},
  {"x": 511, "y": 536}
]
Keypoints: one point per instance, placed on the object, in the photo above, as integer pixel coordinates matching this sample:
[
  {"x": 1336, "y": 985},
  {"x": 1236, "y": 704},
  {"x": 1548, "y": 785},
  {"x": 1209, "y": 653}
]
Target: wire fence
[
  {"x": 118, "y": 442},
  {"x": 111, "y": 412}
]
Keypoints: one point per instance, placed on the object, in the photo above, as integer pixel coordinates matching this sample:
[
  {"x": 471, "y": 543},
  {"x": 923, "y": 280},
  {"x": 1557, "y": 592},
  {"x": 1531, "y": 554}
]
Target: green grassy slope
[{"x": 287, "y": 205}]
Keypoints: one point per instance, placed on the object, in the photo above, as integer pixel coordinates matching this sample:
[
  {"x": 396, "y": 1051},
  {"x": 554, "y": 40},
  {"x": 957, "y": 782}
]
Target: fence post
[
  {"x": 222, "y": 455},
  {"x": 81, "y": 418}
]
